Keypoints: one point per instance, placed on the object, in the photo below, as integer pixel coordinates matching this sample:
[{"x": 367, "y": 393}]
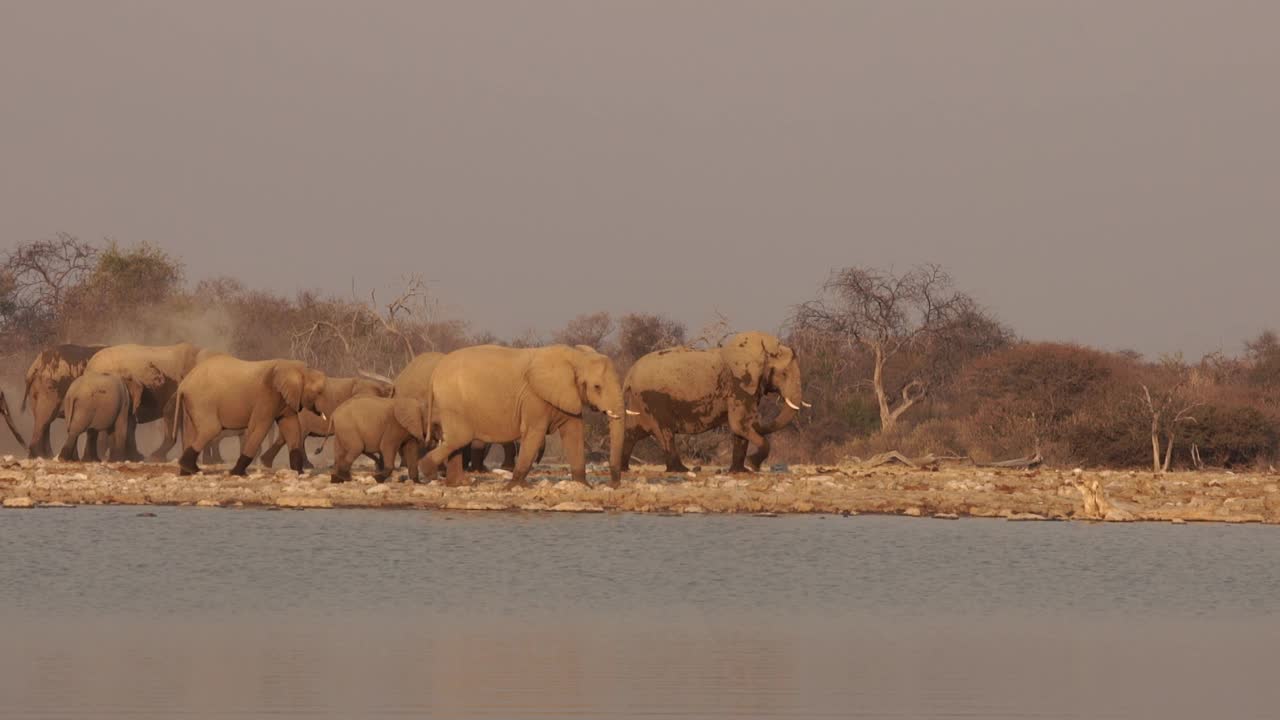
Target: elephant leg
[
  {"x": 160, "y": 454},
  {"x": 573, "y": 444},
  {"x": 529, "y": 446},
  {"x": 409, "y": 453},
  {"x": 739, "y": 445},
  {"x": 667, "y": 439},
  {"x": 68, "y": 453},
  {"x": 256, "y": 433},
  {"x": 343, "y": 457},
  {"x": 479, "y": 452},
  {"x": 91, "y": 445},
  {"x": 509, "y": 452},
  {"x": 120, "y": 438},
  {"x": 387, "y": 463},
  {"x": 634, "y": 434},
  {"x": 268, "y": 456},
  {"x": 457, "y": 436},
  {"x": 757, "y": 458},
  {"x": 43, "y": 413},
  {"x": 197, "y": 437}
]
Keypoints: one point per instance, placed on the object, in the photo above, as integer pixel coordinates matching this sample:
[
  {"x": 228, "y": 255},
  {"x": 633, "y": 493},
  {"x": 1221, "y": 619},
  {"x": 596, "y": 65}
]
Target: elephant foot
[
  {"x": 297, "y": 460},
  {"x": 66, "y": 456},
  {"x": 242, "y": 466},
  {"x": 340, "y": 476},
  {"x": 482, "y": 469},
  {"x": 515, "y": 485},
  {"x": 739, "y": 469},
  {"x": 187, "y": 463},
  {"x": 381, "y": 477},
  {"x": 677, "y": 468}
]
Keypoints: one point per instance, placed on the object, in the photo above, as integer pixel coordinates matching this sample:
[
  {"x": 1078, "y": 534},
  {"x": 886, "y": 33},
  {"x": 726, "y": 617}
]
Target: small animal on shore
[{"x": 371, "y": 424}]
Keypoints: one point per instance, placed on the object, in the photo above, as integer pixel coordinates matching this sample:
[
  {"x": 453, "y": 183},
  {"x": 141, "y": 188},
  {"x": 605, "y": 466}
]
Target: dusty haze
[{"x": 1094, "y": 171}]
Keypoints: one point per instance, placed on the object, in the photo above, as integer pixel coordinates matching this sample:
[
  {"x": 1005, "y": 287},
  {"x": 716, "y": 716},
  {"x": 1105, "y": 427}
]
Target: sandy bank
[{"x": 950, "y": 492}]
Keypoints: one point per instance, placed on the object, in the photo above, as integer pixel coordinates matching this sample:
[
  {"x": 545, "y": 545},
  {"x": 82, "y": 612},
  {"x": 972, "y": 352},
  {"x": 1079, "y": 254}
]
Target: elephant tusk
[
  {"x": 791, "y": 405},
  {"x": 632, "y": 412},
  {"x": 324, "y": 418},
  {"x": 806, "y": 404},
  {"x": 612, "y": 414}
]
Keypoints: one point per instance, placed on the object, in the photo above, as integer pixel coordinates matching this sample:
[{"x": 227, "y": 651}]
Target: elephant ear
[
  {"x": 135, "y": 394},
  {"x": 552, "y": 377},
  {"x": 745, "y": 357},
  {"x": 288, "y": 380},
  {"x": 409, "y": 413}
]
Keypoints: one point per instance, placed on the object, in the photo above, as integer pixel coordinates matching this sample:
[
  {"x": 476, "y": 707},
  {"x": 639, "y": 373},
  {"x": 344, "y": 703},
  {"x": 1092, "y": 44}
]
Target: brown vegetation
[{"x": 892, "y": 361}]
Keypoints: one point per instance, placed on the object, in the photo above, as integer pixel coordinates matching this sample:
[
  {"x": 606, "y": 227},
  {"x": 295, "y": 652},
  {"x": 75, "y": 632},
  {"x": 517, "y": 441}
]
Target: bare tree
[
  {"x": 359, "y": 334},
  {"x": 641, "y": 333},
  {"x": 889, "y": 315},
  {"x": 36, "y": 279},
  {"x": 713, "y": 333},
  {"x": 1169, "y": 406},
  {"x": 587, "y": 329}
]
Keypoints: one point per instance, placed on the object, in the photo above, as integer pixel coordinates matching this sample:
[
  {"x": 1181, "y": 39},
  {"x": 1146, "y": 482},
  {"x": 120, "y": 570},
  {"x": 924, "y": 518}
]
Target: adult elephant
[
  {"x": 685, "y": 391},
  {"x": 337, "y": 390},
  {"x": 415, "y": 382},
  {"x": 227, "y": 393},
  {"x": 159, "y": 369},
  {"x": 500, "y": 394},
  {"x": 48, "y": 378}
]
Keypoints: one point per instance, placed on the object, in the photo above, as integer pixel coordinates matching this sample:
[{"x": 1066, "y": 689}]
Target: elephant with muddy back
[
  {"x": 500, "y": 394},
  {"x": 47, "y": 380},
  {"x": 100, "y": 403},
  {"x": 159, "y": 369},
  {"x": 227, "y": 393},
  {"x": 685, "y": 391}
]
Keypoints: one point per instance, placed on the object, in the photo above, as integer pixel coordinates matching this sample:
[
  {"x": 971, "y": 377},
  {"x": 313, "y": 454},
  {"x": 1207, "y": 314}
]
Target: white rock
[
  {"x": 576, "y": 507},
  {"x": 377, "y": 490}
]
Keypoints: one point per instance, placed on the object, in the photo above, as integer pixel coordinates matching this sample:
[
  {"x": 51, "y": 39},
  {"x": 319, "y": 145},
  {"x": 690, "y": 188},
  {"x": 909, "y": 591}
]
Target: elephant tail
[
  {"x": 177, "y": 417},
  {"x": 328, "y": 434}
]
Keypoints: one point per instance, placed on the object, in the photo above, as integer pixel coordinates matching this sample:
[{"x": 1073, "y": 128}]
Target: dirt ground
[{"x": 949, "y": 492}]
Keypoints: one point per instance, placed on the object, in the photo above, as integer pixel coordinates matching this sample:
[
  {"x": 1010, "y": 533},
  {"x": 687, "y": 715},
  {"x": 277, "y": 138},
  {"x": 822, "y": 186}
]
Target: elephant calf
[
  {"x": 371, "y": 424},
  {"x": 99, "y": 402}
]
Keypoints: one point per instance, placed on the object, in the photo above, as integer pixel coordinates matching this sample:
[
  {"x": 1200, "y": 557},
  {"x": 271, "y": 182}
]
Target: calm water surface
[{"x": 348, "y": 613}]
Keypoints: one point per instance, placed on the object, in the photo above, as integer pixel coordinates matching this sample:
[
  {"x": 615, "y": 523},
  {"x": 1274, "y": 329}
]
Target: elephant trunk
[
  {"x": 785, "y": 416},
  {"x": 17, "y": 435},
  {"x": 617, "y": 430}
]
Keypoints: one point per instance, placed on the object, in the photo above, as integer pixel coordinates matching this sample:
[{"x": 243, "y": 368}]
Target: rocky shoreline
[{"x": 949, "y": 492}]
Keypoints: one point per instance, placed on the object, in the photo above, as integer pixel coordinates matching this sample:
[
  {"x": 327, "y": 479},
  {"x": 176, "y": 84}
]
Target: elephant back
[
  {"x": 415, "y": 380},
  {"x": 57, "y": 367},
  {"x": 681, "y": 373}
]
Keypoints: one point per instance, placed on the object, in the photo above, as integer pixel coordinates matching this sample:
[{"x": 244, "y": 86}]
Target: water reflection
[{"x": 367, "y": 614}]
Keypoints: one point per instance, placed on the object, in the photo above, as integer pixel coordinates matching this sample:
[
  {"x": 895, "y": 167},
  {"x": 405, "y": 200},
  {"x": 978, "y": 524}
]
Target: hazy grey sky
[{"x": 1106, "y": 172}]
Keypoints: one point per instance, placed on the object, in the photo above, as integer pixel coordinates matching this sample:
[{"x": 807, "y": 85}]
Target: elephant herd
[{"x": 441, "y": 411}]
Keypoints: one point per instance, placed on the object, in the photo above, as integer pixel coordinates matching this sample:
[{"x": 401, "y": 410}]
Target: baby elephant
[
  {"x": 98, "y": 402},
  {"x": 370, "y": 424}
]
